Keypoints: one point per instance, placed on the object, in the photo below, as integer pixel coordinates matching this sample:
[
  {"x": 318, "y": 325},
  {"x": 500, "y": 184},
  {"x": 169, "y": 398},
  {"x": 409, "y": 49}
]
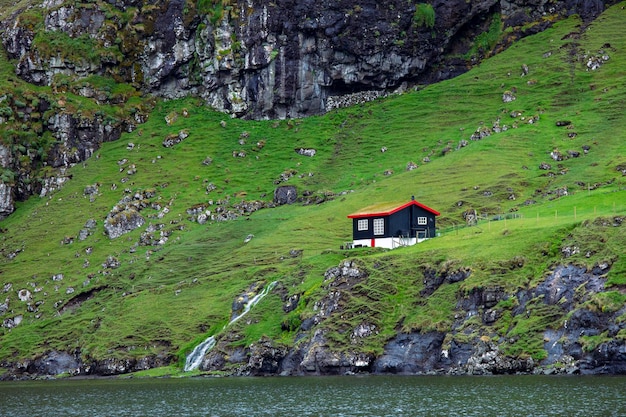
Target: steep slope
[
  {"x": 78, "y": 72},
  {"x": 159, "y": 238}
]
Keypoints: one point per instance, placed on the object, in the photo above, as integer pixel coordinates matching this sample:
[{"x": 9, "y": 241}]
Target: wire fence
[{"x": 557, "y": 214}]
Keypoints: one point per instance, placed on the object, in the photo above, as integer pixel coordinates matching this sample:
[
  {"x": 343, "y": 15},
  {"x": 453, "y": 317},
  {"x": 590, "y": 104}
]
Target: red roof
[{"x": 379, "y": 210}]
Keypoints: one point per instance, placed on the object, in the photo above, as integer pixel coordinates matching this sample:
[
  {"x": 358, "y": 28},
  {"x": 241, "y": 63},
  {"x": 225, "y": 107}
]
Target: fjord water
[{"x": 318, "y": 396}]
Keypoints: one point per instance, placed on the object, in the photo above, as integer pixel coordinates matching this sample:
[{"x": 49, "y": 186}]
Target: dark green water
[{"x": 324, "y": 396}]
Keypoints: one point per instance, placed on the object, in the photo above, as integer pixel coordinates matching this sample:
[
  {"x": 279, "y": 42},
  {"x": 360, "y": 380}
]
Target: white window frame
[
  {"x": 379, "y": 227},
  {"x": 362, "y": 225},
  {"x": 422, "y": 221}
]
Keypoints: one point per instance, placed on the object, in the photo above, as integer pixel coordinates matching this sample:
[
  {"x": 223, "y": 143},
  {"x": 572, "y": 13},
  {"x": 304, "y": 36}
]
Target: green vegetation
[
  {"x": 424, "y": 15},
  {"x": 164, "y": 298},
  {"x": 486, "y": 41}
]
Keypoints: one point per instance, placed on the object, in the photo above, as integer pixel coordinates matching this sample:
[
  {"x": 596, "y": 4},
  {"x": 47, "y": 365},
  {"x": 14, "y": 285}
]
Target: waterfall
[{"x": 194, "y": 359}]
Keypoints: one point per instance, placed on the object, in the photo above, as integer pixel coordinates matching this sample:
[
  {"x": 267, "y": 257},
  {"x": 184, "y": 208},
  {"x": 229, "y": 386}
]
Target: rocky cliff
[
  {"x": 576, "y": 332},
  {"x": 264, "y": 59},
  {"x": 578, "y": 338}
]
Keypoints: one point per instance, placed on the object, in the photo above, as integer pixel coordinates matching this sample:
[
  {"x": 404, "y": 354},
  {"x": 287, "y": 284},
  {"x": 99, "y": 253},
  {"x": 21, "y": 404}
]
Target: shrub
[
  {"x": 424, "y": 15},
  {"x": 487, "y": 40}
]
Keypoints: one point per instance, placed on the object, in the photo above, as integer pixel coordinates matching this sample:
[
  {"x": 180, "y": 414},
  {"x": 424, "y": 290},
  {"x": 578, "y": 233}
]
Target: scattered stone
[
  {"x": 383, "y": 149},
  {"x": 562, "y": 123},
  {"x": 556, "y": 155},
  {"x": 508, "y": 97},
  {"x": 595, "y": 62},
  {"x": 411, "y": 166},
  {"x": 306, "y": 151},
  {"x": 568, "y": 251},
  {"x": 545, "y": 166},
  {"x": 207, "y": 161},
  {"x": 481, "y": 133},
  {"x": 248, "y": 239},
  {"x": 87, "y": 230},
  {"x": 174, "y": 139},
  {"x": 91, "y": 190},
  {"x": 525, "y": 70},
  {"x": 285, "y": 176},
  {"x": 24, "y": 295},
  {"x": 111, "y": 263}
]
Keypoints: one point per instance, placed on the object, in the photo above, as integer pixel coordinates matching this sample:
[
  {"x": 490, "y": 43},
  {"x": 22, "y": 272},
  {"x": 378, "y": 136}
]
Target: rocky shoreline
[{"x": 566, "y": 346}]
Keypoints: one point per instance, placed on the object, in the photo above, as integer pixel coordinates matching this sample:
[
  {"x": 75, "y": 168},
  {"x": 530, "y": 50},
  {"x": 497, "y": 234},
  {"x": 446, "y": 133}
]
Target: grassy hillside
[{"x": 125, "y": 299}]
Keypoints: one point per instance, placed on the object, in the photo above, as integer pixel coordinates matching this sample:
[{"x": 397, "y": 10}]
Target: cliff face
[{"x": 261, "y": 59}]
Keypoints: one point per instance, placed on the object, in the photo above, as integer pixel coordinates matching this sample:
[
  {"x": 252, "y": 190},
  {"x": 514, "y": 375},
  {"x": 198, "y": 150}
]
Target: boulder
[
  {"x": 285, "y": 194},
  {"x": 306, "y": 152},
  {"x": 123, "y": 222}
]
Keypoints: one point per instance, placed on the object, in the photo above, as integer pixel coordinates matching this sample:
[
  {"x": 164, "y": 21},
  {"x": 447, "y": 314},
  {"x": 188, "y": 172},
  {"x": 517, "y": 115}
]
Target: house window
[
  {"x": 361, "y": 225},
  {"x": 379, "y": 226},
  {"x": 422, "y": 221}
]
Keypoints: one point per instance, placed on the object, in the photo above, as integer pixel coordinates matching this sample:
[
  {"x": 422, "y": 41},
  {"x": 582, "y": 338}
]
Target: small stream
[{"x": 194, "y": 359}]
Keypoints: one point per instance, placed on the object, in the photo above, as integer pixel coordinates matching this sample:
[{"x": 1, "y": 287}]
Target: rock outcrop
[
  {"x": 582, "y": 339},
  {"x": 263, "y": 59},
  {"x": 567, "y": 346}
]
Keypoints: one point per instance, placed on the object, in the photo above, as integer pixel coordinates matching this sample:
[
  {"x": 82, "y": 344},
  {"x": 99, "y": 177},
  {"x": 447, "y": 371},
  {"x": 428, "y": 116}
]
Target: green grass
[{"x": 165, "y": 299}]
